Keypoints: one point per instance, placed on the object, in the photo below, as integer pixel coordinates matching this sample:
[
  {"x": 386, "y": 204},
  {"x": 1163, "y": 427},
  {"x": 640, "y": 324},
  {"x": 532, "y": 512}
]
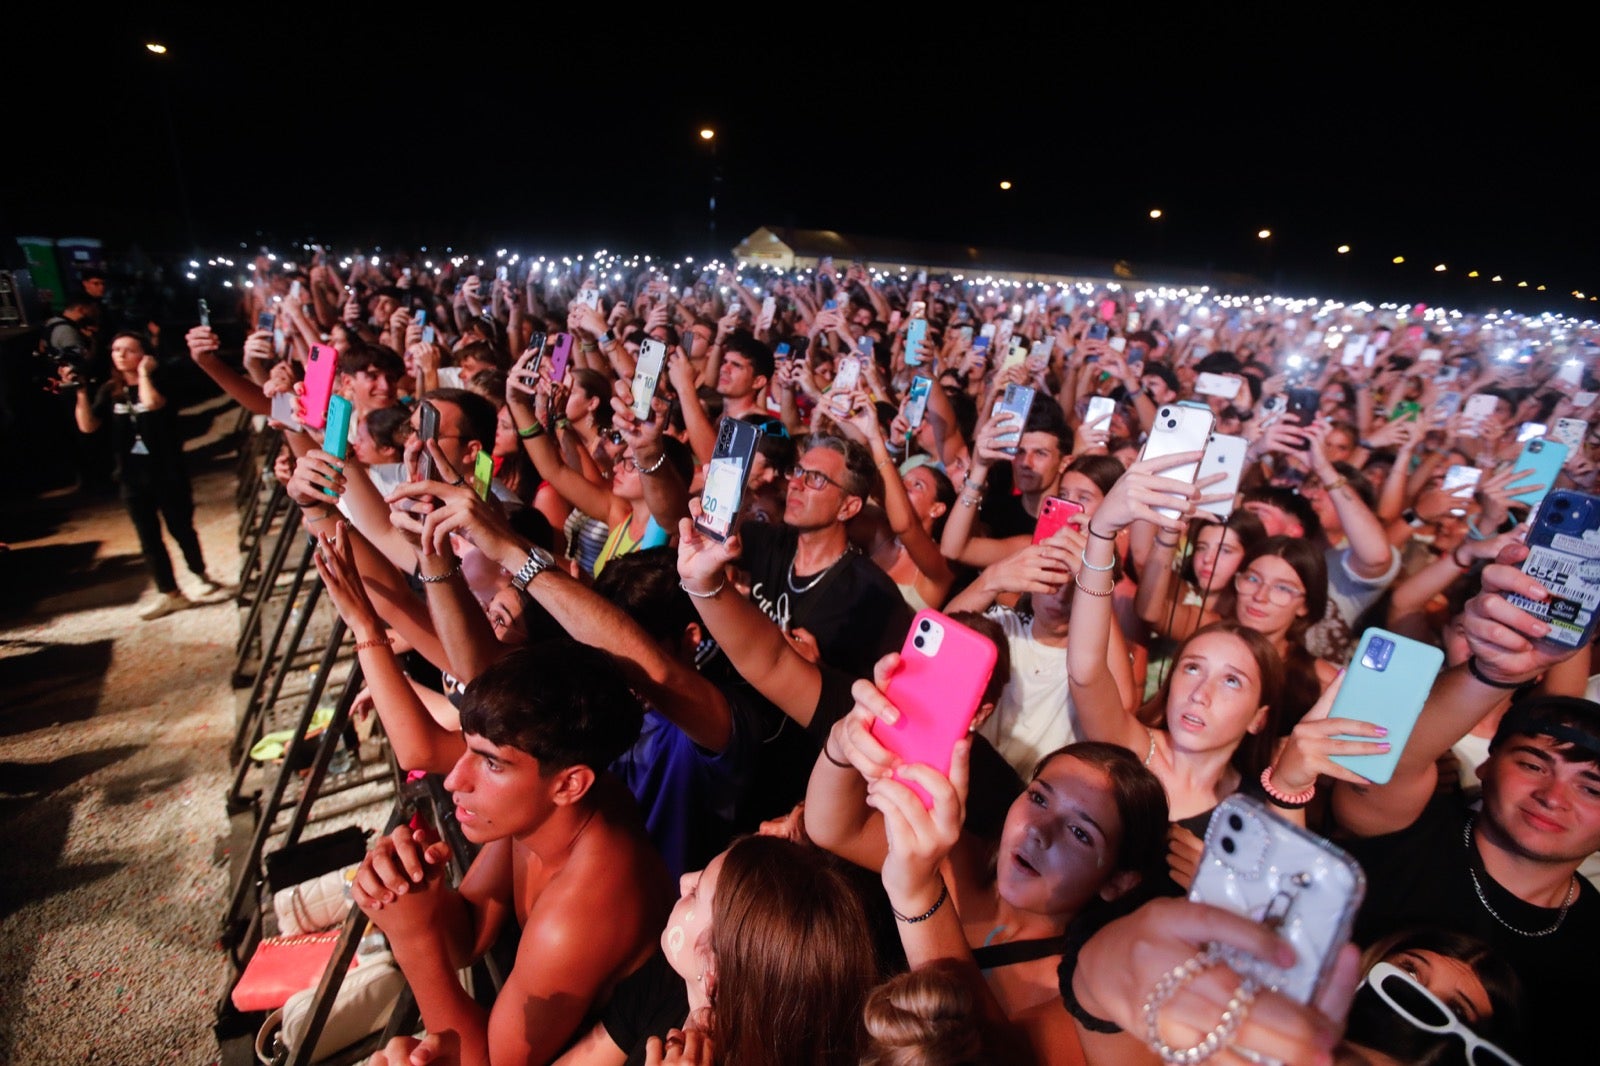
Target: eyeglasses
[
  {"x": 1417, "y": 1005},
  {"x": 1250, "y": 583},
  {"x": 815, "y": 480}
]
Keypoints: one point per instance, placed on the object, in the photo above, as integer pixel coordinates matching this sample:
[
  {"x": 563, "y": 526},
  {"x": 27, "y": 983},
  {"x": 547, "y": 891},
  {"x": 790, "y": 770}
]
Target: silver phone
[{"x": 1178, "y": 428}]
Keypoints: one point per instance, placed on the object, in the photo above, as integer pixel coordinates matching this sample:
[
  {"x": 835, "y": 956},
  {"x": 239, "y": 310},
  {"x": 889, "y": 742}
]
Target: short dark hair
[
  {"x": 478, "y": 416},
  {"x": 1219, "y": 363},
  {"x": 363, "y": 356},
  {"x": 143, "y": 339},
  {"x": 744, "y": 342},
  {"x": 1103, "y": 470},
  {"x": 645, "y": 585},
  {"x": 389, "y": 427},
  {"x": 1045, "y": 416},
  {"x": 562, "y": 702},
  {"x": 1290, "y": 503},
  {"x": 1162, "y": 371}
]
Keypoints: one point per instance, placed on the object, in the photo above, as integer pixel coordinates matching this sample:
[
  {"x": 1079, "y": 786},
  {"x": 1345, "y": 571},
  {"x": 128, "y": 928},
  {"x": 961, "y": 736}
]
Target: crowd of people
[{"x": 622, "y": 701}]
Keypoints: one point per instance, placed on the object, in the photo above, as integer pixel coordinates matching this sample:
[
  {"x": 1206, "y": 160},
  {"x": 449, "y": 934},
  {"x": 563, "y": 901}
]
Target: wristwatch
[
  {"x": 538, "y": 562},
  {"x": 606, "y": 339}
]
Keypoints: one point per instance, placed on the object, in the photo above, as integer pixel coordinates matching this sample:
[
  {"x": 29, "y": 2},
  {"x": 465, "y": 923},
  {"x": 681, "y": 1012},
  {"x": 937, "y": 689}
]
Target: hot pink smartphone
[
  {"x": 321, "y": 367},
  {"x": 944, "y": 668},
  {"x": 1053, "y": 514}
]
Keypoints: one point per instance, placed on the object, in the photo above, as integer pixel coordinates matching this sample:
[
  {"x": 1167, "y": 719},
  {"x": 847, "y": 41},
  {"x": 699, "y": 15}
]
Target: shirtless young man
[{"x": 563, "y": 853}]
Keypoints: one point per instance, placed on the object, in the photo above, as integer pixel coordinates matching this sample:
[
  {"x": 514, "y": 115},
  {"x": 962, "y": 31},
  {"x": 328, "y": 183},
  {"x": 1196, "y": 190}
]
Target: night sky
[{"x": 1465, "y": 142}]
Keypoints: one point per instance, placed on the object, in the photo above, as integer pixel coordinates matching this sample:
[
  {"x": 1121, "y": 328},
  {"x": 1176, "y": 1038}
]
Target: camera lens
[
  {"x": 918, "y": 641},
  {"x": 1235, "y": 822},
  {"x": 925, "y": 625},
  {"x": 1228, "y": 845},
  {"x": 1172, "y": 423}
]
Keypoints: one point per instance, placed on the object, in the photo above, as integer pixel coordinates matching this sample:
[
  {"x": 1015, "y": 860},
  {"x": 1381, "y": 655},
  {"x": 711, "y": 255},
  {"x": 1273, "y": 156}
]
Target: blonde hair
[{"x": 923, "y": 1018}]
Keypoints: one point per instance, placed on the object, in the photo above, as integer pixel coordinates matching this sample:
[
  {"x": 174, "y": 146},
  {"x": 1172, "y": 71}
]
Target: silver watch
[{"x": 538, "y": 562}]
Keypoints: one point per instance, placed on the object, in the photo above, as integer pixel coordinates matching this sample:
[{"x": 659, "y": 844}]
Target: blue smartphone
[
  {"x": 1018, "y": 400},
  {"x": 1543, "y": 460},
  {"x": 336, "y": 435},
  {"x": 1564, "y": 556},
  {"x": 917, "y": 401},
  {"x": 420, "y": 318},
  {"x": 916, "y": 332},
  {"x": 1098, "y": 332},
  {"x": 1386, "y": 683}
]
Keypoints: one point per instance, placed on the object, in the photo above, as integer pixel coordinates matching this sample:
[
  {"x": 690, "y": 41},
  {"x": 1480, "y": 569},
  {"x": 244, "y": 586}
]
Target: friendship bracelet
[
  {"x": 363, "y": 645},
  {"x": 1089, "y": 591},
  {"x": 1291, "y": 801},
  {"x": 531, "y": 432},
  {"x": 826, "y": 754},
  {"x": 1472, "y": 668},
  {"x": 653, "y": 467},
  {"x": 323, "y": 515},
  {"x": 703, "y": 595},
  {"x": 434, "y": 579},
  {"x": 1084, "y": 555},
  {"x": 1167, "y": 543},
  {"x": 1335, "y": 485},
  {"x": 944, "y": 894},
  {"x": 1098, "y": 536}
]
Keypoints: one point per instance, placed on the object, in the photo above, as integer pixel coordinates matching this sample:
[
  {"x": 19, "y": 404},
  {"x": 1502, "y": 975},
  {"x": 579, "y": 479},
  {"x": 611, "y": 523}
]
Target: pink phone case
[
  {"x": 320, "y": 369},
  {"x": 944, "y": 668}
]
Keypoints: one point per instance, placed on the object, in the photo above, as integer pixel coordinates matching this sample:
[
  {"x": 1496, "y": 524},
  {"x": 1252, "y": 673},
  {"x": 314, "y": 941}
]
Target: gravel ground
[{"x": 113, "y": 765}]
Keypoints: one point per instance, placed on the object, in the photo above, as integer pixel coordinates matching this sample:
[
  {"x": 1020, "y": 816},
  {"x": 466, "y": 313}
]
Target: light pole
[
  {"x": 709, "y": 136},
  {"x": 155, "y": 48}
]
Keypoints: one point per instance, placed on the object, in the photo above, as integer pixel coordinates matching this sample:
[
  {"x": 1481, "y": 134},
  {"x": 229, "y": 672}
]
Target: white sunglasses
[{"x": 1412, "y": 1001}]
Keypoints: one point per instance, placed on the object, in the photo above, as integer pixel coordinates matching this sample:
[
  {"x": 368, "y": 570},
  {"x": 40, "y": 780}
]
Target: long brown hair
[
  {"x": 1254, "y": 752},
  {"x": 794, "y": 957}
]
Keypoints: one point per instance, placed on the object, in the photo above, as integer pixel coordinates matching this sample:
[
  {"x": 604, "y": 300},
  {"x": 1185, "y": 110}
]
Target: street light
[
  {"x": 1264, "y": 234},
  {"x": 1472, "y": 273},
  {"x": 1155, "y": 212},
  {"x": 1397, "y": 260},
  {"x": 707, "y": 134},
  {"x": 1005, "y": 185},
  {"x": 156, "y": 49},
  {"x": 1343, "y": 249},
  {"x": 1439, "y": 269}
]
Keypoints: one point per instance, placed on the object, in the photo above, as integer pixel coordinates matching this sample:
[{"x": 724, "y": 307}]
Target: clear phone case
[{"x": 1260, "y": 866}]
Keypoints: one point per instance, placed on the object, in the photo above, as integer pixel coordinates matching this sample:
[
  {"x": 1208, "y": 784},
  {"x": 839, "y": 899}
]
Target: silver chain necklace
[
  {"x": 1572, "y": 894},
  {"x": 809, "y": 585}
]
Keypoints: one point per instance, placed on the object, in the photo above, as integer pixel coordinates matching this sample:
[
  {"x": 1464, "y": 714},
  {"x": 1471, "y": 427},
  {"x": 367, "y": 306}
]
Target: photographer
[{"x": 148, "y": 453}]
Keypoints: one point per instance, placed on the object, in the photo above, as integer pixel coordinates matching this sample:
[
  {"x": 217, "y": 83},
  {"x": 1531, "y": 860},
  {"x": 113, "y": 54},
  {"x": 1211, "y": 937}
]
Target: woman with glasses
[{"x": 1281, "y": 591}]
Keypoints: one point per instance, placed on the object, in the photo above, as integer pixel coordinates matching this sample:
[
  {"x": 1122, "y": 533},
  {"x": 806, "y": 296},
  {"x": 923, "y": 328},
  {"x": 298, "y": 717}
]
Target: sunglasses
[{"x": 1426, "y": 1011}]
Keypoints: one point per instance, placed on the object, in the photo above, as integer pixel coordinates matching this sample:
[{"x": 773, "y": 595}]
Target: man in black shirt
[
  {"x": 1507, "y": 873},
  {"x": 832, "y": 601},
  {"x": 148, "y": 451}
]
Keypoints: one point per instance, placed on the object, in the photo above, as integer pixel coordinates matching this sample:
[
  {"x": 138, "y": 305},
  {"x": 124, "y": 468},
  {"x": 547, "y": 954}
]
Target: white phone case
[
  {"x": 1570, "y": 431},
  {"x": 1224, "y": 455},
  {"x": 1305, "y": 888},
  {"x": 652, "y": 355},
  {"x": 1178, "y": 428}
]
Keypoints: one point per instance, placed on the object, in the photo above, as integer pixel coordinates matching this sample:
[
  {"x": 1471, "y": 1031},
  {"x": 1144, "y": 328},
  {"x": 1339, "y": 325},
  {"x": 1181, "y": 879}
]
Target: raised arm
[{"x": 203, "y": 345}]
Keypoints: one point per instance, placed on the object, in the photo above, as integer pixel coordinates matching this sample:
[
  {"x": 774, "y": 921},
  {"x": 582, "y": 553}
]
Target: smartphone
[
  {"x": 917, "y": 401},
  {"x": 1118, "y": 344},
  {"x": 589, "y": 298},
  {"x": 769, "y": 308},
  {"x": 419, "y": 317},
  {"x": 1097, "y": 332},
  {"x": 1564, "y": 556},
  {"x": 1303, "y": 405},
  {"x": 266, "y": 321},
  {"x": 1018, "y": 400},
  {"x": 780, "y": 353},
  {"x": 916, "y": 333},
  {"x": 1459, "y": 478},
  {"x": 283, "y": 412},
  {"x": 1529, "y": 430},
  {"x": 1478, "y": 408},
  {"x": 1571, "y": 372},
  {"x": 847, "y": 376},
  {"x": 980, "y": 347},
  {"x": 1544, "y": 460},
  {"x": 987, "y": 331},
  {"x": 427, "y": 334},
  {"x": 1053, "y": 514},
  {"x": 560, "y": 352},
  {"x": 482, "y": 474},
  {"x": 864, "y": 348},
  {"x": 1108, "y": 310},
  {"x": 1224, "y": 455},
  {"x": 427, "y": 430},
  {"x": 723, "y": 494},
  {"x": 1430, "y": 355},
  {"x": 1287, "y": 878},
  {"x": 1223, "y": 386},
  {"x": 1446, "y": 375},
  {"x": 1100, "y": 407},
  {"x": 1016, "y": 354},
  {"x": 1446, "y": 405},
  {"x": 1570, "y": 431},
  {"x": 944, "y": 668},
  {"x": 321, "y": 366},
  {"x": 1584, "y": 399},
  {"x": 646, "y": 375},
  {"x": 1133, "y": 321},
  {"x": 336, "y": 437},
  {"x": 1178, "y": 429},
  {"x": 205, "y": 313},
  {"x": 1386, "y": 683}
]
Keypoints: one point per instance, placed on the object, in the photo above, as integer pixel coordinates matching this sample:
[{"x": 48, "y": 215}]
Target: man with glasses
[
  {"x": 1506, "y": 873},
  {"x": 832, "y": 601}
]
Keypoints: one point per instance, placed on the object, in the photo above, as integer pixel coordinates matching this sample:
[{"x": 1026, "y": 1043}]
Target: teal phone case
[
  {"x": 1386, "y": 683},
  {"x": 1545, "y": 457}
]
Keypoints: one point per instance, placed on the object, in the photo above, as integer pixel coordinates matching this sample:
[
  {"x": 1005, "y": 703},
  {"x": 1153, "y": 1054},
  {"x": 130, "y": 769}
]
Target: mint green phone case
[{"x": 1386, "y": 683}]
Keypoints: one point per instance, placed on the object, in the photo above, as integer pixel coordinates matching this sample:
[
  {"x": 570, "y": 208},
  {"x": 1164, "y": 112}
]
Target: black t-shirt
[
  {"x": 853, "y": 610},
  {"x": 146, "y": 444},
  {"x": 1002, "y": 512},
  {"x": 992, "y": 784},
  {"x": 1420, "y": 877},
  {"x": 646, "y": 1003}
]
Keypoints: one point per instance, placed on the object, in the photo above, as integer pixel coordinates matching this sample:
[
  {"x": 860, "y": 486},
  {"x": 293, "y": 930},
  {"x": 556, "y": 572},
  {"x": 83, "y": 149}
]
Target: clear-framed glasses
[
  {"x": 1413, "y": 1002},
  {"x": 814, "y": 480},
  {"x": 1249, "y": 583}
]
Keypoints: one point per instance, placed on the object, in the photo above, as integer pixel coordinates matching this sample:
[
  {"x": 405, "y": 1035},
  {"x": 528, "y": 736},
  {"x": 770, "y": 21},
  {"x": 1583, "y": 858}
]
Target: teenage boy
[{"x": 563, "y": 854}]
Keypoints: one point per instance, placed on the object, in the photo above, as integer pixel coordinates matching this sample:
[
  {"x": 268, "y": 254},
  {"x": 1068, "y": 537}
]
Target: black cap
[{"x": 1565, "y": 719}]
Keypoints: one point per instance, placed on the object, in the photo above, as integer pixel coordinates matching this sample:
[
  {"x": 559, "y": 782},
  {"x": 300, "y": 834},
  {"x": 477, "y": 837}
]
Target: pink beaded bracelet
[{"x": 1289, "y": 801}]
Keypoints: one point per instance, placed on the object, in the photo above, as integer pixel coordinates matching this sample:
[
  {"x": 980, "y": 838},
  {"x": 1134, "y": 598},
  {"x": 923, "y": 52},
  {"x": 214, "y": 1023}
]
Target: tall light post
[
  {"x": 709, "y": 137},
  {"x": 159, "y": 51}
]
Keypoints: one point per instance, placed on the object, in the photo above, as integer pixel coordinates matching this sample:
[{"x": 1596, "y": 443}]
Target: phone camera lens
[
  {"x": 925, "y": 625},
  {"x": 1228, "y": 845},
  {"x": 1172, "y": 423},
  {"x": 1235, "y": 823},
  {"x": 918, "y": 641}
]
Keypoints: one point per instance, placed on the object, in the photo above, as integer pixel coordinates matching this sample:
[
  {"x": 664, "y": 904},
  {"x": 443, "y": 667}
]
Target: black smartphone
[
  {"x": 205, "y": 313},
  {"x": 266, "y": 321},
  {"x": 725, "y": 477},
  {"x": 427, "y": 430}
]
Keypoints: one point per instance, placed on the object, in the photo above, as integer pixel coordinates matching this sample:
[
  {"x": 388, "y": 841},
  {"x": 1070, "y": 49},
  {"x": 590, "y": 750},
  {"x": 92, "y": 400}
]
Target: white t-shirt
[{"x": 1034, "y": 716}]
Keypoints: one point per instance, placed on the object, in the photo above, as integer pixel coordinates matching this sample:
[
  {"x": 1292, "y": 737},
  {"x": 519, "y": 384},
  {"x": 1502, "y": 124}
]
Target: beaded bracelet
[
  {"x": 1336, "y": 484},
  {"x": 434, "y": 579},
  {"x": 363, "y": 645},
  {"x": 1097, "y": 569},
  {"x": 703, "y": 595},
  {"x": 653, "y": 467},
  {"x": 1089, "y": 591},
  {"x": 944, "y": 894}
]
